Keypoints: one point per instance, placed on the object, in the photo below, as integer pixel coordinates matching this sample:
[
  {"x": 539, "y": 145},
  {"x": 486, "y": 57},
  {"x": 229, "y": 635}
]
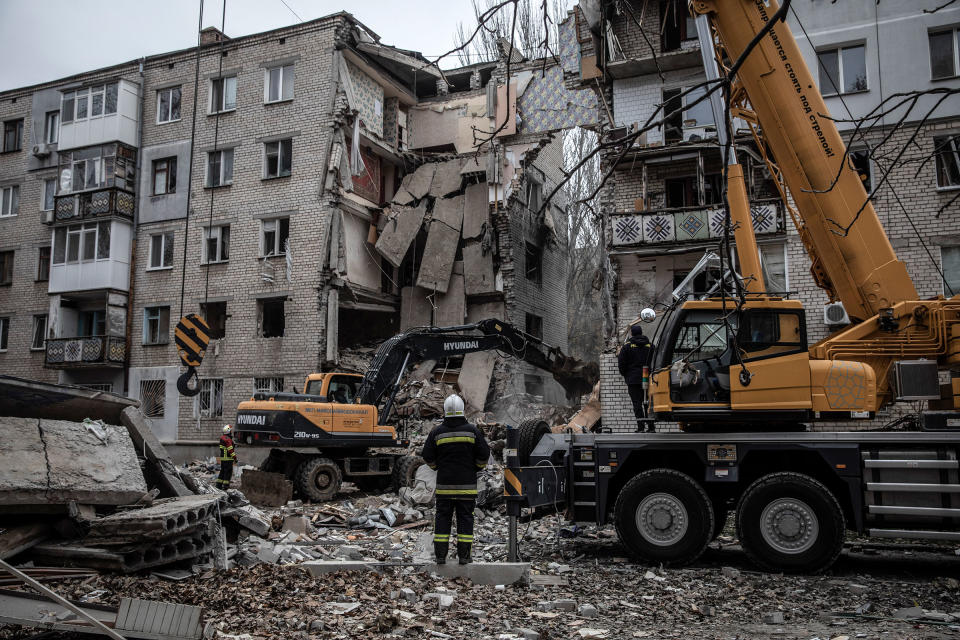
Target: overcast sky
[{"x": 42, "y": 40}]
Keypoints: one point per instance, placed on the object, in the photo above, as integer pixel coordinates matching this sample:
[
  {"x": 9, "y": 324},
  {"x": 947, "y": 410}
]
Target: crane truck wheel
[
  {"x": 531, "y": 431},
  {"x": 664, "y": 516},
  {"x": 318, "y": 479},
  {"x": 405, "y": 471},
  {"x": 790, "y": 522}
]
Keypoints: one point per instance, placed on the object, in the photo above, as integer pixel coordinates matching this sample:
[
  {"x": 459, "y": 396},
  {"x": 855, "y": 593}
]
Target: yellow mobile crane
[{"x": 736, "y": 371}]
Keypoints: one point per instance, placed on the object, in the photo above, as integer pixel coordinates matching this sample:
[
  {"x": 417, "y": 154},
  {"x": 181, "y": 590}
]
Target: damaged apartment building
[
  {"x": 329, "y": 192},
  {"x": 664, "y": 201}
]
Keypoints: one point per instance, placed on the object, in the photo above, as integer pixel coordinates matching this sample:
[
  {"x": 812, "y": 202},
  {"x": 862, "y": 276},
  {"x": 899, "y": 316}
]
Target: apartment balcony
[
  {"x": 93, "y": 351},
  {"x": 88, "y": 205},
  {"x": 689, "y": 225}
]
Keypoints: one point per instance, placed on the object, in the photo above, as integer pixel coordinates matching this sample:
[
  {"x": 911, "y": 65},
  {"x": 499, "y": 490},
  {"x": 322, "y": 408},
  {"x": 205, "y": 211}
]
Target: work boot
[
  {"x": 463, "y": 552},
  {"x": 440, "y": 549}
]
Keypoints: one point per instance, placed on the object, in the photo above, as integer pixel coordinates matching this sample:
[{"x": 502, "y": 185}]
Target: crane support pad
[{"x": 535, "y": 486}]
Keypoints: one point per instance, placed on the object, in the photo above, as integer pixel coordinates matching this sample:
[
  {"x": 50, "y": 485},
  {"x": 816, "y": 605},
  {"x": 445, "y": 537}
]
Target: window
[
  {"x": 278, "y": 84},
  {"x": 43, "y": 264},
  {"x": 275, "y": 236},
  {"x": 343, "y": 389},
  {"x": 108, "y": 165},
  {"x": 534, "y": 326},
  {"x": 12, "y": 135},
  {"x": 672, "y": 115},
  {"x": 215, "y": 313},
  {"x": 219, "y": 168},
  {"x": 534, "y": 195},
  {"x": 209, "y": 403},
  {"x": 223, "y": 94},
  {"x": 272, "y": 318},
  {"x": 773, "y": 262},
  {"x": 860, "y": 162},
  {"x": 161, "y": 251},
  {"x": 947, "y": 151},
  {"x": 700, "y": 114},
  {"x": 6, "y": 267},
  {"x": 11, "y": 201},
  {"x": 763, "y": 334},
  {"x": 943, "y": 54},
  {"x": 533, "y": 262},
  {"x": 156, "y": 325},
  {"x": 153, "y": 395},
  {"x": 217, "y": 245},
  {"x": 92, "y": 322},
  {"x": 88, "y": 102},
  {"x": 268, "y": 385},
  {"x": 700, "y": 341},
  {"x": 843, "y": 70},
  {"x": 164, "y": 176},
  {"x": 278, "y": 158},
  {"x": 4, "y": 333},
  {"x": 168, "y": 105},
  {"x": 49, "y": 191},
  {"x": 51, "y": 127},
  {"x": 39, "y": 331},
  {"x": 81, "y": 243},
  {"x": 950, "y": 263}
]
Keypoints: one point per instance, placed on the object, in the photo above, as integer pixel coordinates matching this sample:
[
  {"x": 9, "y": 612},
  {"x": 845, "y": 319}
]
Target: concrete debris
[
  {"x": 401, "y": 225},
  {"x": 418, "y": 183},
  {"x": 265, "y": 487},
  {"x": 775, "y": 617},
  {"x": 587, "y": 611},
  {"x": 166, "y": 517},
  {"x": 447, "y": 179}
]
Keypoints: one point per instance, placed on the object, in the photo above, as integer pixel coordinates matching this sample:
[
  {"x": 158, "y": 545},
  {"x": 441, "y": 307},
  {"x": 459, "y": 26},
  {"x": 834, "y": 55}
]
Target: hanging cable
[{"x": 216, "y": 149}]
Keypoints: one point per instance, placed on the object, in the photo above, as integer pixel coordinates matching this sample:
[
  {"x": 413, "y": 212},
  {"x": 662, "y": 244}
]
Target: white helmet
[
  {"x": 227, "y": 428},
  {"x": 453, "y": 406}
]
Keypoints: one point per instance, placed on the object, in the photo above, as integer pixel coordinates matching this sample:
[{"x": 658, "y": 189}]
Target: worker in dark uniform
[
  {"x": 228, "y": 456},
  {"x": 634, "y": 357},
  {"x": 457, "y": 450}
]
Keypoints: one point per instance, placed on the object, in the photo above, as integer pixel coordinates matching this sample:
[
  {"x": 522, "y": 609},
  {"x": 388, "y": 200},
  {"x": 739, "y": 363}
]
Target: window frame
[
  {"x": 955, "y": 43},
  {"x": 828, "y": 91},
  {"x": 53, "y": 196},
  {"x": 4, "y": 333},
  {"x": 220, "y": 164},
  {"x": 169, "y": 91},
  {"x": 7, "y": 271},
  {"x": 538, "y": 280},
  {"x": 76, "y": 232},
  {"x": 216, "y": 332},
  {"x": 40, "y": 274},
  {"x": 156, "y": 314},
  {"x": 267, "y": 154},
  {"x": 220, "y": 244},
  {"x": 271, "y": 388},
  {"x": 211, "y": 109},
  {"x": 166, "y": 237},
  {"x": 280, "y": 249},
  {"x": 280, "y": 89},
  {"x": 261, "y": 316},
  {"x": 18, "y": 144},
  {"x": 211, "y": 388},
  {"x": 55, "y": 129},
  {"x": 43, "y": 335},
  {"x": 73, "y": 96},
  {"x": 10, "y": 206},
  {"x": 170, "y": 175},
  {"x": 954, "y": 141}
]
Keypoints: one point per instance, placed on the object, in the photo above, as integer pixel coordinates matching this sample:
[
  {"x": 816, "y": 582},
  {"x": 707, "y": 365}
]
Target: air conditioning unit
[
  {"x": 48, "y": 217},
  {"x": 834, "y": 315},
  {"x": 41, "y": 150}
]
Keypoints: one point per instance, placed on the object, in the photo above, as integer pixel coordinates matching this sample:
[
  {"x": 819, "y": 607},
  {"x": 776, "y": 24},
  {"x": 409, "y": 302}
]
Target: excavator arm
[{"x": 396, "y": 355}]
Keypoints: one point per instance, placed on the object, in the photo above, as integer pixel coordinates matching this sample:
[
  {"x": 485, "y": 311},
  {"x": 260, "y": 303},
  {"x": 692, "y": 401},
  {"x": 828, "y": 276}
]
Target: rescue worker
[
  {"x": 228, "y": 456},
  {"x": 634, "y": 356},
  {"x": 457, "y": 451}
]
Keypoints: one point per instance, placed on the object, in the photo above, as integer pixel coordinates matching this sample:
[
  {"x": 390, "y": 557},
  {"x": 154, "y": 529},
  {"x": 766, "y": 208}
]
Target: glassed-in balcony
[{"x": 89, "y": 351}]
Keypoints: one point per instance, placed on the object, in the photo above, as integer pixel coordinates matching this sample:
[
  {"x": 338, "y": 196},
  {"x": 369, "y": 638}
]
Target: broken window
[
  {"x": 6, "y": 267},
  {"x": 682, "y": 192},
  {"x": 274, "y": 237},
  {"x": 673, "y": 115},
  {"x": 272, "y": 319},
  {"x": 216, "y": 247},
  {"x": 168, "y": 105},
  {"x": 947, "y": 150},
  {"x": 223, "y": 94},
  {"x": 677, "y": 25},
  {"x": 164, "y": 176},
  {"x": 4, "y": 333},
  {"x": 534, "y": 326},
  {"x": 278, "y": 84},
  {"x": 39, "y": 331},
  {"x": 153, "y": 394},
  {"x": 161, "y": 250},
  {"x": 220, "y": 168},
  {"x": 534, "y": 195},
  {"x": 278, "y": 158},
  {"x": 43, "y": 264},
  {"x": 156, "y": 325},
  {"x": 11, "y": 201},
  {"x": 533, "y": 263},
  {"x": 209, "y": 403},
  {"x": 12, "y": 135},
  {"x": 533, "y": 385},
  {"x": 860, "y": 161},
  {"x": 215, "y": 313},
  {"x": 268, "y": 385}
]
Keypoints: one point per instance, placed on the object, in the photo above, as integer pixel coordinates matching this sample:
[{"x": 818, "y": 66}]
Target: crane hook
[{"x": 183, "y": 383}]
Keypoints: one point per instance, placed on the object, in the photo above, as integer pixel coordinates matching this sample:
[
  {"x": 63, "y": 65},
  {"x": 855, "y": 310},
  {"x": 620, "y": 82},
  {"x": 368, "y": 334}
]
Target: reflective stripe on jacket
[
  {"x": 457, "y": 450},
  {"x": 227, "y": 453}
]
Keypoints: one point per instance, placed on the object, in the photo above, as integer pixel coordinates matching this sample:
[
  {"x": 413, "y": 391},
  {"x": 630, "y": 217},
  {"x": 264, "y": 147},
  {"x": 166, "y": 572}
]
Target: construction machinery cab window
[
  {"x": 764, "y": 334},
  {"x": 342, "y": 389},
  {"x": 699, "y": 338}
]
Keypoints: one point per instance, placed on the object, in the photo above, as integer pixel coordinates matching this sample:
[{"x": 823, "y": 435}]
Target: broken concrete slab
[
  {"x": 452, "y": 305},
  {"x": 54, "y": 462},
  {"x": 144, "y": 440},
  {"x": 415, "y": 309},
  {"x": 438, "y": 257},
  {"x": 266, "y": 487},
  {"x": 402, "y": 197},
  {"x": 24, "y": 398},
  {"x": 447, "y": 179},
  {"x": 124, "y": 558},
  {"x": 477, "y": 311},
  {"x": 475, "y": 375},
  {"x": 418, "y": 183},
  {"x": 449, "y": 211},
  {"x": 476, "y": 209},
  {"x": 479, "y": 277},
  {"x": 477, "y": 572},
  {"x": 165, "y": 517},
  {"x": 401, "y": 227}
]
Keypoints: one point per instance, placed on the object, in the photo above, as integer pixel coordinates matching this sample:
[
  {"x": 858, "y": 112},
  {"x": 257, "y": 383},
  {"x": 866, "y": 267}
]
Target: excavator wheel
[
  {"x": 318, "y": 479},
  {"x": 405, "y": 471},
  {"x": 531, "y": 431}
]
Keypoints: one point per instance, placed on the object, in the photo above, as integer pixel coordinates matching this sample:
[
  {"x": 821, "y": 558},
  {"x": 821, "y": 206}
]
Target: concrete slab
[
  {"x": 415, "y": 309},
  {"x": 476, "y": 572},
  {"x": 163, "y": 518},
  {"x": 479, "y": 277},
  {"x": 476, "y": 209},
  {"x": 439, "y": 254},
  {"x": 418, "y": 183},
  {"x": 452, "y": 306},
  {"x": 402, "y": 197},
  {"x": 33, "y": 399},
  {"x": 447, "y": 179},
  {"x": 475, "y": 375},
  {"x": 266, "y": 487},
  {"x": 477, "y": 311},
  {"x": 449, "y": 211},
  {"x": 402, "y": 226},
  {"x": 44, "y": 462},
  {"x": 146, "y": 441}
]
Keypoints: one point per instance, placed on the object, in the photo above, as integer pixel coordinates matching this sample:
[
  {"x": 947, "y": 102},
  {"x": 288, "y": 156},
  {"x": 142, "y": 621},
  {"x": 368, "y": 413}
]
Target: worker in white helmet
[
  {"x": 228, "y": 457},
  {"x": 457, "y": 451}
]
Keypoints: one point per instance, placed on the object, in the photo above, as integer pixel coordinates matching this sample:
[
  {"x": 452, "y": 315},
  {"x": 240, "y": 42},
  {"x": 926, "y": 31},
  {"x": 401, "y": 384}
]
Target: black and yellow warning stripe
[
  {"x": 511, "y": 484},
  {"x": 192, "y": 335}
]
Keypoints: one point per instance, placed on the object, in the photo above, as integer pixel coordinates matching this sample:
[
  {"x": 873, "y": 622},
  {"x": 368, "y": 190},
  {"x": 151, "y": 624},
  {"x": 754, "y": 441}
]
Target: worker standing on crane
[
  {"x": 228, "y": 456},
  {"x": 634, "y": 364},
  {"x": 457, "y": 450}
]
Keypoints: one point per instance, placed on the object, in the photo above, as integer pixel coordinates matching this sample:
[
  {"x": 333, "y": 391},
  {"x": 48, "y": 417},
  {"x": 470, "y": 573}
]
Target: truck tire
[
  {"x": 531, "y": 431},
  {"x": 405, "y": 471},
  {"x": 664, "y": 516},
  {"x": 318, "y": 479},
  {"x": 790, "y": 522}
]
